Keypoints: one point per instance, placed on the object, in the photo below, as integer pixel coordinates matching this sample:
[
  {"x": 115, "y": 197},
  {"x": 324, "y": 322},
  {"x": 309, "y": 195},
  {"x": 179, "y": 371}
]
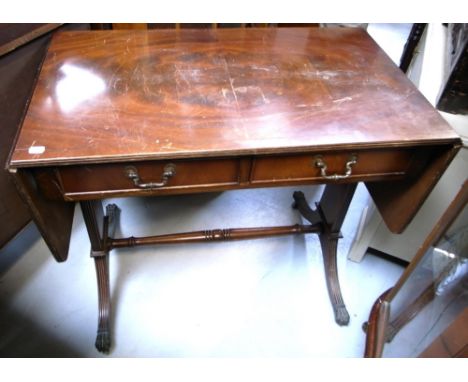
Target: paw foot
[
  {"x": 341, "y": 315},
  {"x": 103, "y": 341},
  {"x": 297, "y": 195},
  {"x": 111, "y": 210}
]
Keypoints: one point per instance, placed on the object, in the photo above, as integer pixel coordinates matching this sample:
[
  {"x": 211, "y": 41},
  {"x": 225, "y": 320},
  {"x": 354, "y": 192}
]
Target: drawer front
[
  {"x": 114, "y": 178},
  {"x": 323, "y": 167}
]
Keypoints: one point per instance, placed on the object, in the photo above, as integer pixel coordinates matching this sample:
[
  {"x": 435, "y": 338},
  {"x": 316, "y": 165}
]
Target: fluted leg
[
  {"x": 100, "y": 227},
  {"x": 329, "y": 215},
  {"x": 103, "y": 339},
  {"x": 329, "y": 244},
  {"x": 333, "y": 207}
]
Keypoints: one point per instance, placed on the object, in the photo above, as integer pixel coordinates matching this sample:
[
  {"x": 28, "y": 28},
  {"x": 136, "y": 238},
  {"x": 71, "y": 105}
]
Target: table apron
[{"x": 166, "y": 177}]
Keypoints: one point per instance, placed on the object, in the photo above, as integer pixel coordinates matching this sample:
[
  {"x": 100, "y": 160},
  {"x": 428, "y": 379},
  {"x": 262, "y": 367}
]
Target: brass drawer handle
[
  {"x": 319, "y": 162},
  {"x": 132, "y": 173}
]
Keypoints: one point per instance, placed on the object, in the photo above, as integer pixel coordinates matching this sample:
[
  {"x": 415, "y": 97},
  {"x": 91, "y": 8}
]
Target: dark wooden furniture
[
  {"x": 453, "y": 96},
  {"x": 430, "y": 296},
  {"x": 412, "y": 42},
  {"x": 22, "y": 49},
  {"x": 455, "y": 336},
  {"x": 126, "y": 113}
]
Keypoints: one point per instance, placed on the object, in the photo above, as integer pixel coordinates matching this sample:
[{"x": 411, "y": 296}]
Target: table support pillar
[
  {"x": 100, "y": 227},
  {"x": 332, "y": 208},
  {"x": 103, "y": 338},
  {"x": 331, "y": 211}
]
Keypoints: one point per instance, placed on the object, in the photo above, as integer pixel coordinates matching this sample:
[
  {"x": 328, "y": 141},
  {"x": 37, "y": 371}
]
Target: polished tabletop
[{"x": 105, "y": 96}]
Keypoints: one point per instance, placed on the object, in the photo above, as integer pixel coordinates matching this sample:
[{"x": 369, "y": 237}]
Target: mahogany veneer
[{"x": 119, "y": 113}]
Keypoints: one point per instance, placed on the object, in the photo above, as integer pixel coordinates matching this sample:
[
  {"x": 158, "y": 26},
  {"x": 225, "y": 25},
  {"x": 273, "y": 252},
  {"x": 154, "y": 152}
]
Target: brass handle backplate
[
  {"x": 320, "y": 163},
  {"x": 132, "y": 173}
]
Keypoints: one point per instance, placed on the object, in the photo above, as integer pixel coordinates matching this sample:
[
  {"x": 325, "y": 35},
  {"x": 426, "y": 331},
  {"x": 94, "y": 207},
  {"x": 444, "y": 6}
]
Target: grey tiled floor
[{"x": 256, "y": 298}]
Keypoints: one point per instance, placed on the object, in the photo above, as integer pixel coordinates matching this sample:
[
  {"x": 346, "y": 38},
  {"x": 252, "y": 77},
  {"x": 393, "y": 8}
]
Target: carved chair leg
[{"x": 100, "y": 227}]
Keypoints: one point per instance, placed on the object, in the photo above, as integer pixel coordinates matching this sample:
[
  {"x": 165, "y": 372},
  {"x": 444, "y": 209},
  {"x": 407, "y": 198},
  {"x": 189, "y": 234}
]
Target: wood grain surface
[
  {"x": 106, "y": 96},
  {"x": 18, "y": 71}
]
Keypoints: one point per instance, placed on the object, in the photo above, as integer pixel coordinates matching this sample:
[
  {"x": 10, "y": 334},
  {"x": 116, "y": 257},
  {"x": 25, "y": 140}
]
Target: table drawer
[
  {"x": 144, "y": 177},
  {"x": 332, "y": 166}
]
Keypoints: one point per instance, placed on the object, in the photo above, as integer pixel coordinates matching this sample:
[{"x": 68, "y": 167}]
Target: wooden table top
[{"x": 106, "y": 96}]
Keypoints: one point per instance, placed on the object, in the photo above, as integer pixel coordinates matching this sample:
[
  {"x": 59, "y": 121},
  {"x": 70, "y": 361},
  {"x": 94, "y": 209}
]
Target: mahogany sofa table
[{"x": 145, "y": 113}]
